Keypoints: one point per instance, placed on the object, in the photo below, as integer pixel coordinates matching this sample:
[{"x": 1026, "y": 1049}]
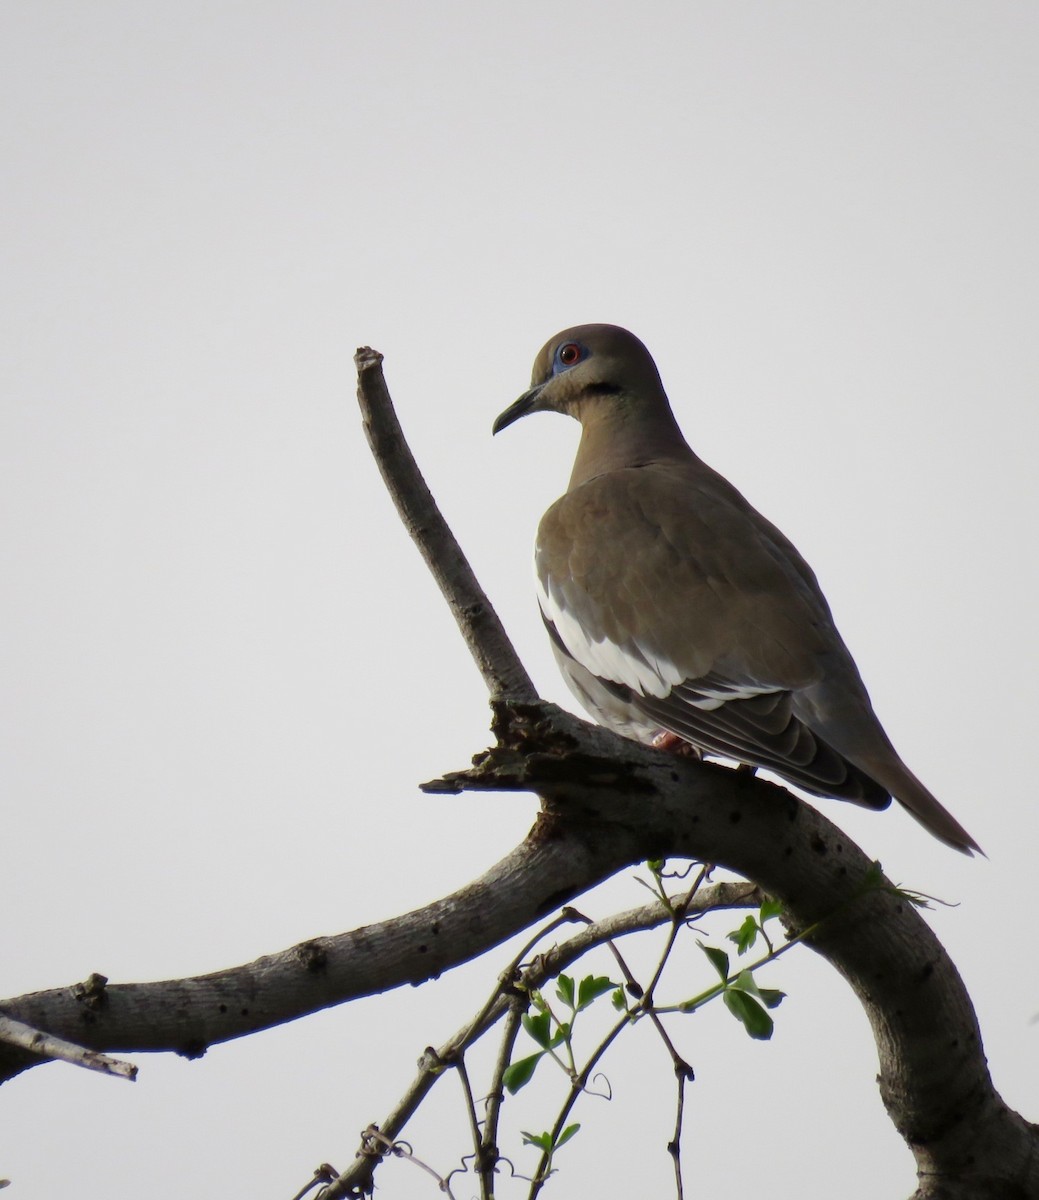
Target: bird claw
[{"x": 673, "y": 744}]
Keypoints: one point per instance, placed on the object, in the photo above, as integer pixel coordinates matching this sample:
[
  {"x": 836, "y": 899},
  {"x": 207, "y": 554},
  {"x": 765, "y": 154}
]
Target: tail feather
[{"x": 919, "y": 803}]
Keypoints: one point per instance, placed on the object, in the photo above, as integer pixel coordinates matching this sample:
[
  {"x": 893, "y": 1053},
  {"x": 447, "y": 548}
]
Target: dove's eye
[{"x": 570, "y": 354}]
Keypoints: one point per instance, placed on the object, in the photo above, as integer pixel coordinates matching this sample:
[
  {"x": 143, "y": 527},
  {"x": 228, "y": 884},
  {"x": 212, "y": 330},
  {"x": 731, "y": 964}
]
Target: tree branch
[
  {"x": 607, "y": 803},
  {"x": 187, "y": 1016},
  {"x": 488, "y": 643},
  {"x": 17, "y": 1033},
  {"x": 357, "y": 1179}
]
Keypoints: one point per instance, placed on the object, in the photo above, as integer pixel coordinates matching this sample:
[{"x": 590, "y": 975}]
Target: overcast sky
[{"x": 223, "y": 668}]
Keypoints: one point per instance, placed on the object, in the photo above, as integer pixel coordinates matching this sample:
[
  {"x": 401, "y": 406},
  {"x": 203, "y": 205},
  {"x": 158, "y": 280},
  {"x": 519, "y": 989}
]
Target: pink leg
[{"x": 673, "y": 744}]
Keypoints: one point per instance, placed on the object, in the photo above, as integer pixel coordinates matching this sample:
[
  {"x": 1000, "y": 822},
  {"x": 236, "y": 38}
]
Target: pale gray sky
[{"x": 224, "y": 669}]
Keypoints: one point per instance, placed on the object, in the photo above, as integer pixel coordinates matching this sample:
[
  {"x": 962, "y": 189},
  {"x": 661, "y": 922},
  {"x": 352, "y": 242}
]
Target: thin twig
[
  {"x": 507, "y": 977},
  {"x": 322, "y": 1174},
  {"x": 683, "y": 1071},
  {"x": 577, "y": 1086},
  {"x": 674, "y": 1147},
  {"x": 677, "y": 911},
  {"x": 17, "y": 1033},
  {"x": 488, "y": 643},
  {"x": 633, "y": 920},
  {"x": 404, "y": 1151},
  {"x": 510, "y": 997},
  {"x": 517, "y": 1005},
  {"x": 486, "y": 1192},
  {"x": 356, "y": 1179}
]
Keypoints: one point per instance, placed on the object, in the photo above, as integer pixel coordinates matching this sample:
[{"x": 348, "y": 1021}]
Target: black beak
[{"x": 527, "y": 403}]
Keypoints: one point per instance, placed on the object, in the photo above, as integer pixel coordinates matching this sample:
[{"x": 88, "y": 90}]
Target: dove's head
[
  {"x": 589, "y": 371},
  {"x": 604, "y": 377}
]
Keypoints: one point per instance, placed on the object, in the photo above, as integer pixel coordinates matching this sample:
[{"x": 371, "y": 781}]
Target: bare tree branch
[
  {"x": 187, "y": 1016},
  {"x": 17, "y": 1033},
  {"x": 488, "y": 643}
]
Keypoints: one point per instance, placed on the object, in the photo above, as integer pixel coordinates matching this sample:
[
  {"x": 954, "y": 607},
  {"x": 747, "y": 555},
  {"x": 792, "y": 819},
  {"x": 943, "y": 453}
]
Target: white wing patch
[
  {"x": 646, "y": 673},
  {"x": 634, "y": 664}
]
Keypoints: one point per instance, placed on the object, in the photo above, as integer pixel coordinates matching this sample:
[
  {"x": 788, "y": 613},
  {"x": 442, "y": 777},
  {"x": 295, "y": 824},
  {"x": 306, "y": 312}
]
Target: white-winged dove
[{"x": 675, "y": 608}]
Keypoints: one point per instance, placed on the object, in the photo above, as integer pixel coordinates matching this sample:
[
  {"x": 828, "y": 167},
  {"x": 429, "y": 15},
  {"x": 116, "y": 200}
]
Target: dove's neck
[{"x": 617, "y": 435}]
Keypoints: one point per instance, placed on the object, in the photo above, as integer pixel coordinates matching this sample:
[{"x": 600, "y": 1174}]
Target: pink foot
[{"x": 673, "y": 744}]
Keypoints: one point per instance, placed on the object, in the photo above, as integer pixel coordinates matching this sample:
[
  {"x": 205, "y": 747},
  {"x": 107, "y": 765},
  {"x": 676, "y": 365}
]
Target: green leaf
[
  {"x": 745, "y": 936},
  {"x": 745, "y": 982},
  {"x": 568, "y": 1133},
  {"x": 619, "y": 1000},
  {"x": 561, "y": 1035},
  {"x": 543, "y": 1141},
  {"x": 771, "y": 997},
  {"x": 768, "y": 910},
  {"x": 592, "y": 987},
  {"x": 519, "y": 1073},
  {"x": 656, "y": 865},
  {"x": 539, "y": 1028},
  {"x": 749, "y": 1012},
  {"x": 565, "y": 990},
  {"x": 719, "y": 959}
]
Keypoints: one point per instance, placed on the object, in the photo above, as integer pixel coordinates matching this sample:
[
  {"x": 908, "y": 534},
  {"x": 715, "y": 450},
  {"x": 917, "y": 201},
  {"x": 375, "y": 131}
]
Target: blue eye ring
[{"x": 569, "y": 354}]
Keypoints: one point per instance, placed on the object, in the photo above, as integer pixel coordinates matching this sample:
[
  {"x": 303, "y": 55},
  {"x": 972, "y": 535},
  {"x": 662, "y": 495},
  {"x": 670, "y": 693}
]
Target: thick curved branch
[
  {"x": 934, "y": 1078},
  {"x": 187, "y": 1016}
]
